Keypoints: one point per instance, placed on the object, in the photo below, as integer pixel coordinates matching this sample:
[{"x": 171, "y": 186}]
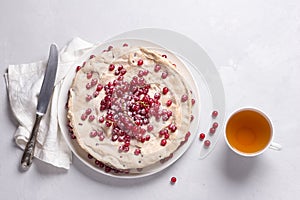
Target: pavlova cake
[{"x": 129, "y": 108}]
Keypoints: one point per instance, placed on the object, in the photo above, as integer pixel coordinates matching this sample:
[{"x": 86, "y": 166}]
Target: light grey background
[{"x": 256, "y": 48}]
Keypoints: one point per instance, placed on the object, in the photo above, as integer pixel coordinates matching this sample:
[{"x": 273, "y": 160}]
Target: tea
[{"x": 248, "y": 131}]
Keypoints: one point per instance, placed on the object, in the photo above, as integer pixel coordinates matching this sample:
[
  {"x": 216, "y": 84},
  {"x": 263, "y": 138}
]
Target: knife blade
[{"x": 43, "y": 101}]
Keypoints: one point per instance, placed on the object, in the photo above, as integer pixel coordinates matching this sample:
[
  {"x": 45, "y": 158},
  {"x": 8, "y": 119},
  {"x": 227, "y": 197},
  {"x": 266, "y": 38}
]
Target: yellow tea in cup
[{"x": 248, "y": 132}]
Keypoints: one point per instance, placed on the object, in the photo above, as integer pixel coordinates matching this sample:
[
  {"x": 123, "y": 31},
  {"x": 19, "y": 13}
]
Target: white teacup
[{"x": 249, "y": 132}]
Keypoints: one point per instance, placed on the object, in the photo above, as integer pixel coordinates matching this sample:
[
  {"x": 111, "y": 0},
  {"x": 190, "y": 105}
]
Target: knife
[{"x": 43, "y": 101}]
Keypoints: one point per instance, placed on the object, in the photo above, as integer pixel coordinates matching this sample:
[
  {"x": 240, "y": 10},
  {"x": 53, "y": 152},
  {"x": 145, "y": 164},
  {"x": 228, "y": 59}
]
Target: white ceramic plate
[{"x": 208, "y": 98}]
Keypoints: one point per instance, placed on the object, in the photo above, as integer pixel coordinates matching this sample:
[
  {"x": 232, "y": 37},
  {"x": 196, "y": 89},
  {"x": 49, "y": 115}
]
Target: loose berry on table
[
  {"x": 173, "y": 180},
  {"x": 206, "y": 143},
  {"x": 214, "y": 114},
  {"x": 201, "y": 136}
]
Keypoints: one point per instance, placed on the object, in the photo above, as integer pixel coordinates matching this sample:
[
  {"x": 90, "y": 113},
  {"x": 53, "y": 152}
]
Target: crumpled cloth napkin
[{"x": 23, "y": 85}]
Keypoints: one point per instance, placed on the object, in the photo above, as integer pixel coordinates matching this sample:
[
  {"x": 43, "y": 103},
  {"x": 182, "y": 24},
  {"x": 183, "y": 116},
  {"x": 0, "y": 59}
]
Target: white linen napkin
[{"x": 23, "y": 85}]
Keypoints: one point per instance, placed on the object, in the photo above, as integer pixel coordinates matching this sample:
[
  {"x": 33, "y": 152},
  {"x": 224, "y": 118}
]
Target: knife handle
[{"x": 30, "y": 146}]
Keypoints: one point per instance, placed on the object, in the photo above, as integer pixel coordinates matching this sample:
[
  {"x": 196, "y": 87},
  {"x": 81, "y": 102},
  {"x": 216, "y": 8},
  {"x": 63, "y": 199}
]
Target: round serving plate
[{"x": 208, "y": 97}]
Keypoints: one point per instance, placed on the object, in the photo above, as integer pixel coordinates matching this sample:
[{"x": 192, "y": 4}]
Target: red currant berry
[
  {"x": 157, "y": 68},
  {"x": 140, "y": 62},
  {"x": 192, "y": 117},
  {"x": 88, "y": 97},
  {"x": 206, "y": 143},
  {"x": 78, "y": 68},
  {"x": 212, "y": 130},
  {"x": 120, "y": 67},
  {"x": 99, "y": 87},
  {"x": 193, "y": 101},
  {"x": 137, "y": 152},
  {"x": 88, "y": 86},
  {"x": 157, "y": 96},
  {"x": 93, "y": 133},
  {"x": 163, "y": 142},
  {"x": 147, "y": 138},
  {"x": 83, "y": 117},
  {"x": 165, "y": 90},
  {"x": 173, "y": 180},
  {"x": 97, "y": 162},
  {"x": 164, "y": 75},
  {"x": 88, "y": 111},
  {"x": 91, "y": 118},
  {"x": 111, "y": 67},
  {"x": 117, "y": 72},
  {"x": 215, "y": 125},
  {"x": 169, "y": 103},
  {"x": 89, "y": 75},
  {"x": 184, "y": 98},
  {"x": 214, "y": 114},
  {"x": 187, "y": 135},
  {"x": 96, "y": 93},
  {"x": 150, "y": 128},
  {"x": 201, "y": 136},
  {"x": 108, "y": 124},
  {"x": 107, "y": 169},
  {"x": 167, "y": 135},
  {"x": 172, "y": 127},
  {"x": 101, "y": 119}
]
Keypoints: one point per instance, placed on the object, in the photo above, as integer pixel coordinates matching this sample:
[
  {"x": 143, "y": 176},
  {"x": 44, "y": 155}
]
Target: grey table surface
[{"x": 255, "y": 46}]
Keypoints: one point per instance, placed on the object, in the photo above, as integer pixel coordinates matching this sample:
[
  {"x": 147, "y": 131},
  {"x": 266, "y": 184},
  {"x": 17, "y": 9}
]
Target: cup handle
[{"x": 275, "y": 146}]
